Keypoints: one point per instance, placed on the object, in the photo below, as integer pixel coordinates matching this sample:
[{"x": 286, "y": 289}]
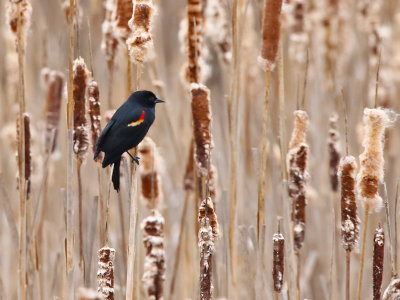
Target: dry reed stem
[
  {"x": 270, "y": 34},
  {"x": 140, "y": 40},
  {"x": 54, "y": 81},
  {"x": 88, "y": 294},
  {"x": 80, "y": 80},
  {"x": 151, "y": 185},
  {"x": 350, "y": 221},
  {"x": 201, "y": 112},
  {"x": 154, "y": 264},
  {"x": 348, "y": 257},
  {"x": 105, "y": 273},
  {"x": 123, "y": 13},
  {"x": 392, "y": 292},
  {"x": 371, "y": 160},
  {"x": 334, "y": 151},
  {"x": 263, "y": 171},
  {"x": 27, "y": 156},
  {"x": 366, "y": 208},
  {"x": 278, "y": 265},
  {"x": 188, "y": 179},
  {"x": 76, "y": 12},
  {"x": 208, "y": 233},
  {"x": 377, "y": 267},
  {"x": 94, "y": 111}
]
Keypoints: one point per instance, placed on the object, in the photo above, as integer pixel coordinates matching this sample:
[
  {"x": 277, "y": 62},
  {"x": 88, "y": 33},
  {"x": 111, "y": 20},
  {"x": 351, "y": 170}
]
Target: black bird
[{"x": 126, "y": 129}]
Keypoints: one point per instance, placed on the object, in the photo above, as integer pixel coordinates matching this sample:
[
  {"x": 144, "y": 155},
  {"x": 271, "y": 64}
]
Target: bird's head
[{"x": 146, "y": 98}]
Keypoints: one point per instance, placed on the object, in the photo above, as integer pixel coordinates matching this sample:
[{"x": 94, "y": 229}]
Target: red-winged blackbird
[{"x": 126, "y": 129}]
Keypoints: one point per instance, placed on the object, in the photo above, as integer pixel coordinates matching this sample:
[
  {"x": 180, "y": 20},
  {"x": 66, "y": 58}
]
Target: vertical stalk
[
  {"x": 363, "y": 251},
  {"x": 348, "y": 274},
  {"x": 80, "y": 215}
]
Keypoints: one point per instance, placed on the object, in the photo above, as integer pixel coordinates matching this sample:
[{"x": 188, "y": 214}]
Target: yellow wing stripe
[{"x": 140, "y": 121}]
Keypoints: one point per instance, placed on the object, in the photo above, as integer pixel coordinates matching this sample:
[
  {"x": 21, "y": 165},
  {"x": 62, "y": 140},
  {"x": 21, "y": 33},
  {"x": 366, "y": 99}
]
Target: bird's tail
[{"x": 115, "y": 174}]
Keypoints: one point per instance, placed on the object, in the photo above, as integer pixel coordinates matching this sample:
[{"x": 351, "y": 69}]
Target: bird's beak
[{"x": 159, "y": 101}]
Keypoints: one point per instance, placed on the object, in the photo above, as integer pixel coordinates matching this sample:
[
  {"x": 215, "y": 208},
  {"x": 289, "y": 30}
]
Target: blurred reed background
[{"x": 271, "y": 172}]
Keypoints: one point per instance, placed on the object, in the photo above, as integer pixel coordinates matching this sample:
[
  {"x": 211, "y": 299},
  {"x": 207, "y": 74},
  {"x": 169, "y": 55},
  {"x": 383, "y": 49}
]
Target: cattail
[
  {"x": 278, "y": 266},
  {"x": 334, "y": 151},
  {"x": 206, "y": 210},
  {"x": 54, "y": 81},
  {"x": 379, "y": 253},
  {"x": 94, "y": 112},
  {"x": 149, "y": 173},
  {"x": 19, "y": 13},
  {"x": 201, "y": 111},
  {"x": 298, "y": 36},
  {"x": 297, "y": 164},
  {"x": 154, "y": 264},
  {"x": 28, "y": 157},
  {"x": 80, "y": 78},
  {"x": 208, "y": 232},
  {"x": 140, "y": 39},
  {"x": 392, "y": 292},
  {"x": 195, "y": 20},
  {"x": 270, "y": 34},
  {"x": 217, "y": 28},
  {"x": 188, "y": 179},
  {"x": 371, "y": 160},
  {"x": 213, "y": 180},
  {"x": 89, "y": 294},
  {"x": 123, "y": 14},
  {"x": 109, "y": 42},
  {"x": 105, "y": 273},
  {"x": 350, "y": 221},
  {"x": 66, "y": 8}
]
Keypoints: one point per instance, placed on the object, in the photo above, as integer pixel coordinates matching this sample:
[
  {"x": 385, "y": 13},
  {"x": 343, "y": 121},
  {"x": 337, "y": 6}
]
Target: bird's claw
[{"x": 135, "y": 159}]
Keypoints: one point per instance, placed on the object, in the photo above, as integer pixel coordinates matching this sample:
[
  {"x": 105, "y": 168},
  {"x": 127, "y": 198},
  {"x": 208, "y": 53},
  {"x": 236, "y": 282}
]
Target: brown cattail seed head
[
  {"x": 278, "y": 266},
  {"x": 379, "y": 251},
  {"x": 207, "y": 210},
  {"x": 392, "y": 292},
  {"x": 66, "y": 8},
  {"x": 140, "y": 39},
  {"x": 270, "y": 33},
  {"x": 54, "y": 81},
  {"x": 201, "y": 112},
  {"x": 88, "y": 294},
  {"x": 149, "y": 173},
  {"x": 213, "y": 181},
  {"x": 188, "y": 179},
  {"x": 217, "y": 28},
  {"x": 28, "y": 157},
  {"x": 19, "y": 14},
  {"x": 371, "y": 160},
  {"x": 350, "y": 221},
  {"x": 105, "y": 273},
  {"x": 109, "y": 43},
  {"x": 297, "y": 164},
  {"x": 123, "y": 14},
  {"x": 207, "y": 249},
  {"x": 154, "y": 265},
  {"x": 94, "y": 112},
  {"x": 334, "y": 152},
  {"x": 80, "y": 78}
]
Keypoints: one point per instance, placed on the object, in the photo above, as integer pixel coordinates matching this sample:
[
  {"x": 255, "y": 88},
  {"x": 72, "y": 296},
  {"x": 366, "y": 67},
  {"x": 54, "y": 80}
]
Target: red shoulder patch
[{"x": 140, "y": 121}]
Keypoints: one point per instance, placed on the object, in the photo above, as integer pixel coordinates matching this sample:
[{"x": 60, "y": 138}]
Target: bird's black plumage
[{"x": 126, "y": 129}]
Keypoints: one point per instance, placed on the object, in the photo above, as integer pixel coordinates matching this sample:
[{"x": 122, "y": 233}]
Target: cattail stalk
[
  {"x": 377, "y": 265},
  {"x": 350, "y": 221},
  {"x": 371, "y": 169},
  {"x": 208, "y": 233},
  {"x": 105, "y": 273},
  {"x": 80, "y": 138},
  {"x": 269, "y": 51},
  {"x": 154, "y": 265},
  {"x": 195, "y": 40},
  {"x": 19, "y": 17},
  {"x": 297, "y": 174}
]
